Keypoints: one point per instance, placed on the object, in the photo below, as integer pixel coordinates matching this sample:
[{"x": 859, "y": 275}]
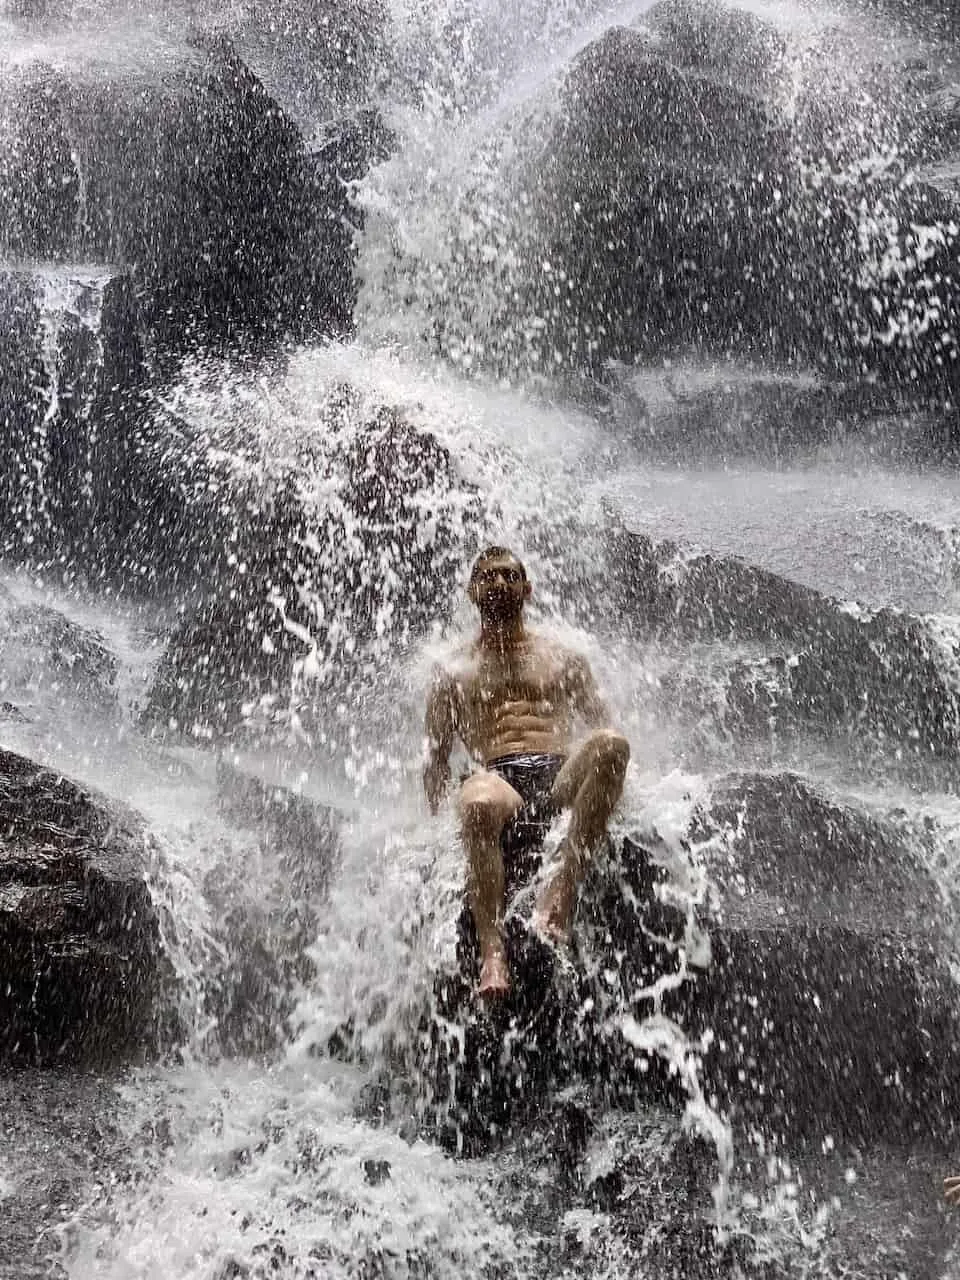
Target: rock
[
  {"x": 809, "y": 994},
  {"x": 266, "y": 927},
  {"x": 315, "y": 62},
  {"x": 728, "y": 43},
  {"x": 829, "y": 995},
  {"x": 681, "y": 209},
  {"x": 879, "y": 673},
  {"x": 227, "y": 247},
  {"x": 686, "y": 413},
  {"x": 82, "y": 969},
  {"x": 46, "y": 654},
  {"x": 68, "y": 344},
  {"x": 354, "y": 545},
  {"x": 673, "y": 216}
]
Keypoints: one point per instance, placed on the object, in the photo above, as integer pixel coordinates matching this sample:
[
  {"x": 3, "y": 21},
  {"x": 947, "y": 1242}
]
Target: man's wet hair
[{"x": 496, "y": 553}]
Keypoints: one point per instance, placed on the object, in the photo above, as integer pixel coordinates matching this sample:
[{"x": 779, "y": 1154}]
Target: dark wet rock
[
  {"x": 687, "y": 413},
  {"x": 314, "y": 61},
  {"x": 829, "y": 996},
  {"x": 808, "y": 990},
  {"x": 68, "y": 345},
  {"x": 482, "y": 1071},
  {"x": 879, "y": 673},
  {"x": 47, "y": 654},
  {"x": 231, "y": 245},
  {"x": 673, "y": 216},
  {"x": 729, "y": 43},
  {"x": 82, "y": 969},
  {"x": 352, "y": 546},
  {"x": 266, "y": 921},
  {"x": 376, "y": 1171},
  {"x": 681, "y": 209}
]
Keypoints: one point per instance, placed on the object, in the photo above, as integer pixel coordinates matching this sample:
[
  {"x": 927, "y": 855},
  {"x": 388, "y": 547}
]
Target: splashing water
[{"x": 300, "y": 1163}]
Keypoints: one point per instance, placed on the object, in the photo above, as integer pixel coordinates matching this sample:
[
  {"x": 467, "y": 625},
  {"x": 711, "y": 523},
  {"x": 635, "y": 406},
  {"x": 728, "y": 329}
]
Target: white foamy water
[{"x": 297, "y": 1163}]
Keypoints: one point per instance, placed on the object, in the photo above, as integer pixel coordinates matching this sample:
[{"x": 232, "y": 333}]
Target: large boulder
[
  {"x": 673, "y": 214},
  {"x": 231, "y": 244},
  {"x": 681, "y": 207},
  {"x": 791, "y": 973},
  {"x": 83, "y": 974},
  {"x": 882, "y": 676},
  {"x": 348, "y": 547},
  {"x": 829, "y": 999}
]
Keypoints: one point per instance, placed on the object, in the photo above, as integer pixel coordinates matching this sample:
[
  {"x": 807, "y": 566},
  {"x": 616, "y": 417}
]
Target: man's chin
[{"x": 499, "y": 612}]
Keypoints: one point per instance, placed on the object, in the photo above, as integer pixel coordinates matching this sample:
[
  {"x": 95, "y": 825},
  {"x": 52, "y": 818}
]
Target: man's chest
[{"x": 516, "y": 678}]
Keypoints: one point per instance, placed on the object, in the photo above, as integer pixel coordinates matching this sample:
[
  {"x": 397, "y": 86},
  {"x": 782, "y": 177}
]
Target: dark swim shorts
[{"x": 521, "y": 841}]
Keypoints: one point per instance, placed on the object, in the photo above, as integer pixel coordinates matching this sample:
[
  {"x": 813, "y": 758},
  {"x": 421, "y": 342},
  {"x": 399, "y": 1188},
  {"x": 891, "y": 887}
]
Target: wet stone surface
[{"x": 82, "y": 971}]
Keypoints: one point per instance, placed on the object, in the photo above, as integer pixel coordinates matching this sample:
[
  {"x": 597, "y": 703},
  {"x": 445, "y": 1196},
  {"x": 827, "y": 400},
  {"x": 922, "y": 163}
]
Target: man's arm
[
  {"x": 439, "y": 730},
  {"x": 585, "y": 697}
]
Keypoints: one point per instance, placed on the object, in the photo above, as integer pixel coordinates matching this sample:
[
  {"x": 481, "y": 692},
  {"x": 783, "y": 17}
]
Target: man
[{"x": 513, "y": 697}]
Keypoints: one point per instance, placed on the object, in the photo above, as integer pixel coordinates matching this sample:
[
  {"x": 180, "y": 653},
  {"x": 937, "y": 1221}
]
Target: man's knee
[
  {"x": 486, "y": 804},
  {"x": 613, "y": 751}
]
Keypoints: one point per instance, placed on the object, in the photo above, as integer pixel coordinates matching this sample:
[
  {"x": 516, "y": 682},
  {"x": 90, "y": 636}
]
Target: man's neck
[{"x": 502, "y": 635}]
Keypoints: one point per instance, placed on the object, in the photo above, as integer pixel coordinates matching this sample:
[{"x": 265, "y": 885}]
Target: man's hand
[{"x": 951, "y": 1190}]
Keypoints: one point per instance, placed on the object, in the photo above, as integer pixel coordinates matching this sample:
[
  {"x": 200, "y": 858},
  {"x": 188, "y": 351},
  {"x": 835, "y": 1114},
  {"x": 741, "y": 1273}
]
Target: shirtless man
[{"x": 513, "y": 699}]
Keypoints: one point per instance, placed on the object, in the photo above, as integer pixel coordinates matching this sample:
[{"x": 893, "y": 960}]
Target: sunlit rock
[
  {"x": 879, "y": 673},
  {"x": 82, "y": 969}
]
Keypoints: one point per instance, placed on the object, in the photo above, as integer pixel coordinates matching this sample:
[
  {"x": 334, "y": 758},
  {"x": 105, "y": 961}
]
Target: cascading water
[{"x": 318, "y": 1152}]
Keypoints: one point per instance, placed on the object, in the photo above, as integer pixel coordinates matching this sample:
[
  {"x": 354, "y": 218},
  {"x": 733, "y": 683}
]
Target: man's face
[{"x": 499, "y": 588}]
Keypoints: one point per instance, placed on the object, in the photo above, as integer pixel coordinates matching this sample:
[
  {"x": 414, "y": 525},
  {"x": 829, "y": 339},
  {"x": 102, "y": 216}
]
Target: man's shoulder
[
  {"x": 459, "y": 664},
  {"x": 564, "y": 654}
]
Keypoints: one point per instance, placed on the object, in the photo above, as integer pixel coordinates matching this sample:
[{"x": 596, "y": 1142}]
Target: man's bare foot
[
  {"x": 553, "y": 917},
  {"x": 494, "y": 976}
]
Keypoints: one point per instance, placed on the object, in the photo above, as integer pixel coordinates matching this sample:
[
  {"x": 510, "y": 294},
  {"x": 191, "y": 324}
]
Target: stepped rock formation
[
  {"x": 83, "y": 976},
  {"x": 119, "y": 258}
]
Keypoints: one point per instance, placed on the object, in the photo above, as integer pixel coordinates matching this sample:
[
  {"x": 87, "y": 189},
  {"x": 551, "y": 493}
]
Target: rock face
[
  {"x": 673, "y": 215},
  {"x": 69, "y": 344},
  {"x": 267, "y": 932},
  {"x": 829, "y": 994},
  {"x": 883, "y": 675},
  {"x": 821, "y": 1004},
  {"x": 249, "y": 243},
  {"x": 356, "y": 543},
  {"x": 681, "y": 208},
  {"x": 47, "y": 655},
  {"x": 81, "y": 962},
  {"x": 228, "y": 246}
]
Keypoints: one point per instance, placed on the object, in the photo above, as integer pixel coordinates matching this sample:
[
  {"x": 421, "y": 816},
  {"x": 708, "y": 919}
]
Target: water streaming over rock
[{"x": 746, "y": 1069}]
